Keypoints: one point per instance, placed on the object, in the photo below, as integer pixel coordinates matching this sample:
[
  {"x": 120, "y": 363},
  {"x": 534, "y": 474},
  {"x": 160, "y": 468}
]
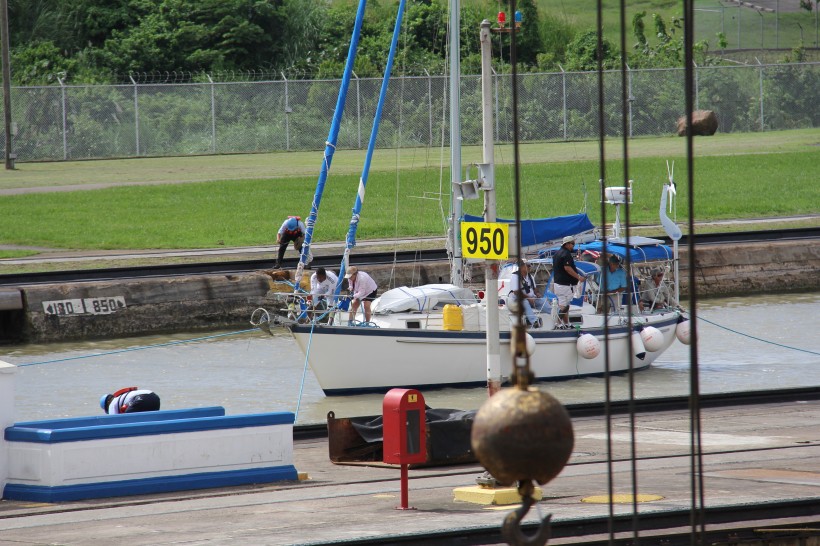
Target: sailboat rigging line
[
  {"x": 759, "y": 338},
  {"x": 304, "y": 370},
  {"x": 330, "y": 145},
  {"x": 610, "y": 473},
  {"x": 523, "y": 375},
  {"x": 698, "y": 508},
  {"x": 398, "y": 147},
  {"x": 374, "y": 133},
  {"x": 628, "y": 266}
]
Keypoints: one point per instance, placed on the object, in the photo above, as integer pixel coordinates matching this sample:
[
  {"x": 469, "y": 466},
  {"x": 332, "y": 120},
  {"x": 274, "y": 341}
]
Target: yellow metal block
[
  {"x": 621, "y": 498},
  {"x": 302, "y": 476},
  {"x": 487, "y": 495}
]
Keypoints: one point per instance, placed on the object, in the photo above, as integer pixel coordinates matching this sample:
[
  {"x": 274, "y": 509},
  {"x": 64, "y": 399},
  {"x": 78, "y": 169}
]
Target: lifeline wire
[{"x": 130, "y": 349}]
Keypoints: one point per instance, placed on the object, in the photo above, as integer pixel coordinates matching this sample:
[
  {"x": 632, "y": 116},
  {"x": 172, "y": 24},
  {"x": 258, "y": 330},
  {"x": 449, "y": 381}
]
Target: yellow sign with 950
[{"x": 489, "y": 241}]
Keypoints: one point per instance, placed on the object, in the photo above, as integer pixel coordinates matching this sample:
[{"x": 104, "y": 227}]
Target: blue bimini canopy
[
  {"x": 637, "y": 254},
  {"x": 544, "y": 230}
]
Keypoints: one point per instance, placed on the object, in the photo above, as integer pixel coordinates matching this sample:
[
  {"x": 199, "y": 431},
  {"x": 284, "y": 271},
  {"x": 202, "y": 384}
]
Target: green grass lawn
[
  {"x": 746, "y": 176},
  {"x": 744, "y": 27}
]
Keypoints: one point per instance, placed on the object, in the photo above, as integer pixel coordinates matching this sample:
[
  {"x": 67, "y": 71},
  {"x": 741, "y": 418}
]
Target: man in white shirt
[
  {"x": 532, "y": 302},
  {"x": 322, "y": 285},
  {"x": 363, "y": 290}
]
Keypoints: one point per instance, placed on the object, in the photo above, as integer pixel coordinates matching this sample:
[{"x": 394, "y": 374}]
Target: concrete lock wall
[
  {"x": 143, "y": 306},
  {"x": 66, "y": 311}
]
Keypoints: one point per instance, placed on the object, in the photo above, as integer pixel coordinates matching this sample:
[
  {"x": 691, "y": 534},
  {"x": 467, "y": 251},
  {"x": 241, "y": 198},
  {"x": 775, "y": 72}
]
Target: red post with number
[{"x": 405, "y": 432}]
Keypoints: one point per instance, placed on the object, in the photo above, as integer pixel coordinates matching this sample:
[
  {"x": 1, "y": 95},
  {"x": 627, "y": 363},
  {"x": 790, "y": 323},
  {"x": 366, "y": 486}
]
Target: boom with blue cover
[{"x": 544, "y": 230}]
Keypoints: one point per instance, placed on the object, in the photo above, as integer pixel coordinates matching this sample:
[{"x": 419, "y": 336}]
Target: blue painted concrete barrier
[{"x": 149, "y": 452}]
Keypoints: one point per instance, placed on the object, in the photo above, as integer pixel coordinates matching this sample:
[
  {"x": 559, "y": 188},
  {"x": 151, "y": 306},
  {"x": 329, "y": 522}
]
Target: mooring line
[
  {"x": 179, "y": 342},
  {"x": 758, "y": 338}
]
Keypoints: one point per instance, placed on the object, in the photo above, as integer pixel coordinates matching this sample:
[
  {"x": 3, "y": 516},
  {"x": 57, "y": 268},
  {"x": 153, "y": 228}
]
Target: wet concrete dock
[{"x": 754, "y": 456}]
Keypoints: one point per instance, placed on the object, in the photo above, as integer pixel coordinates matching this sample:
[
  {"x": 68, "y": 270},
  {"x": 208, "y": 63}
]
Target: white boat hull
[{"x": 349, "y": 360}]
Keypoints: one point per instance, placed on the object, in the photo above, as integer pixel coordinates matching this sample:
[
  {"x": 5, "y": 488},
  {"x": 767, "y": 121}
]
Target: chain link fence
[{"x": 109, "y": 121}]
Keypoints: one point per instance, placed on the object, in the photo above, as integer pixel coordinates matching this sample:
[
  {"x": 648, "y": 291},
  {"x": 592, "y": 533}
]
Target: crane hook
[{"x": 511, "y": 529}]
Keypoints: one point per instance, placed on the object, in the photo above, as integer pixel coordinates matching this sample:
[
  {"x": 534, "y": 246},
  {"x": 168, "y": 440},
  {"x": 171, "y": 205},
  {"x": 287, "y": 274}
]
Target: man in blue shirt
[{"x": 615, "y": 282}]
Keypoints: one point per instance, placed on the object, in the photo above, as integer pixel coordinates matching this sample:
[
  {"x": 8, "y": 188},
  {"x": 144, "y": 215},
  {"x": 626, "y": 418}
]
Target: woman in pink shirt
[{"x": 363, "y": 289}]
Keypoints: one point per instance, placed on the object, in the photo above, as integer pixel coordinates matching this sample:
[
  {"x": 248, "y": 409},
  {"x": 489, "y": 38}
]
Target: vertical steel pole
[
  {"x": 496, "y": 88},
  {"x": 136, "y": 114},
  {"x": 761, "y": 97},
  {"x": 213, "y": 116},
  {"x": 564, "y": 97},
  {"x": 4, "y": 56},
  {"x": 65, "y": 138},
  {"x": 358, "y": 110},
  {"x": 429, "y": 107},
  {"x": 629, "y": 98},
  {"x": 287, "y": 114},
  {"x": 490, "y": 266}
]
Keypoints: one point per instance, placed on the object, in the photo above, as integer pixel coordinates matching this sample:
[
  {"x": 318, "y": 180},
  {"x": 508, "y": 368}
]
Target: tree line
[{"x": 105, "y": 41}]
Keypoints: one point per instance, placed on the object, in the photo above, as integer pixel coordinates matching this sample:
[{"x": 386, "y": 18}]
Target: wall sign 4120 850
[{"x": 86, "y": 306}]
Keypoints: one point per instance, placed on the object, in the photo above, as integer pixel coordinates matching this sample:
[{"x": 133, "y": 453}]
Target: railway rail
[{"x": 370, "y": 258}]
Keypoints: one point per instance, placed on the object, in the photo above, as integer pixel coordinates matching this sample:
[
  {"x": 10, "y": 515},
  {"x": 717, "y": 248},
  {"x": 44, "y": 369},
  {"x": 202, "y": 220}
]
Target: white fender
[
  {"x": 683, "y": 332},
  {"x": 637, "y": 346},
  {"x": 652, "y": 338},
  {"x": 588, "y": 346},
  {"x": 530, "y": 343}
]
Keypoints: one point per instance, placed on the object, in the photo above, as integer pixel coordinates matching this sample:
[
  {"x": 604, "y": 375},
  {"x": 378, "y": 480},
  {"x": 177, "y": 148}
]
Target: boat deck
[{"x": 762, "y": 468}]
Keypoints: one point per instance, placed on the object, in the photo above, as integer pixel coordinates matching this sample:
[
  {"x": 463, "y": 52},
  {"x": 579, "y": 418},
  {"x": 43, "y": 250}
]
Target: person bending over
[
  {"x": 292, "y": 230},
  {"x": 363, "y": 290}
]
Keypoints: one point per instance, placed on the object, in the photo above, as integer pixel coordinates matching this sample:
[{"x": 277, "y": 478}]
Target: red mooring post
[
  {"x": 404, "y": 488},
  {"x": 405, "y": 433}
]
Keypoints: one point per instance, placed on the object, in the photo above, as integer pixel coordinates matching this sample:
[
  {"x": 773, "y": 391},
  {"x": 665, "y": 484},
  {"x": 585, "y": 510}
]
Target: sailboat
[{"x": 448, "y": 335}]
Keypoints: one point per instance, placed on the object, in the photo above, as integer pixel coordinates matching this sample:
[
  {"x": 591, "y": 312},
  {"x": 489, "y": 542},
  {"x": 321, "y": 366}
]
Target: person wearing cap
[
  {"x": 363, "y": 290},
  {"x": 657, "y": 296},
  {"x": 129, "y": 400},
  {"x": 532, "y": 302},
  {"x": 615, "y": 283},
  {"x": 565, "y": 277},
  {"x": 322, "y": 284},
  {"x": 292, "y": 230}
]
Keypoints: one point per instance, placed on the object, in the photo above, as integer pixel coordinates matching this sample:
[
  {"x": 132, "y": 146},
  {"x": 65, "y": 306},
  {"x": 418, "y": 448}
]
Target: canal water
[{"x": 253, "y": 372}]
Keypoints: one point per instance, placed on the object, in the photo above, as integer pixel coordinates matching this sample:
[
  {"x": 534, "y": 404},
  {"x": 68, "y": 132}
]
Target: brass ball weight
[{"x": 521, "y": 435}]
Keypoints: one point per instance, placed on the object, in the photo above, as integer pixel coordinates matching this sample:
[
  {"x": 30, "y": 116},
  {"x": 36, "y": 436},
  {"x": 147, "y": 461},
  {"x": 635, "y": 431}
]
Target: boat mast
[
  {"x": 330, "y": 145},
  {"x": 487, "y": 172},
  {"x": 457, "y": 262},
  {"x": 371, "y": 146}
]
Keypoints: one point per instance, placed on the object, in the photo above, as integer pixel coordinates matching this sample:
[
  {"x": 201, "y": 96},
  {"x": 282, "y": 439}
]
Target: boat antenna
[{"x": 330, "y": 145}]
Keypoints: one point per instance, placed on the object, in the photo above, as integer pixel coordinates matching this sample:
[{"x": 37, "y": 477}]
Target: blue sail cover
[
  {"x": 544, "y": 230},
  {"x": 637, "y": 254}
]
